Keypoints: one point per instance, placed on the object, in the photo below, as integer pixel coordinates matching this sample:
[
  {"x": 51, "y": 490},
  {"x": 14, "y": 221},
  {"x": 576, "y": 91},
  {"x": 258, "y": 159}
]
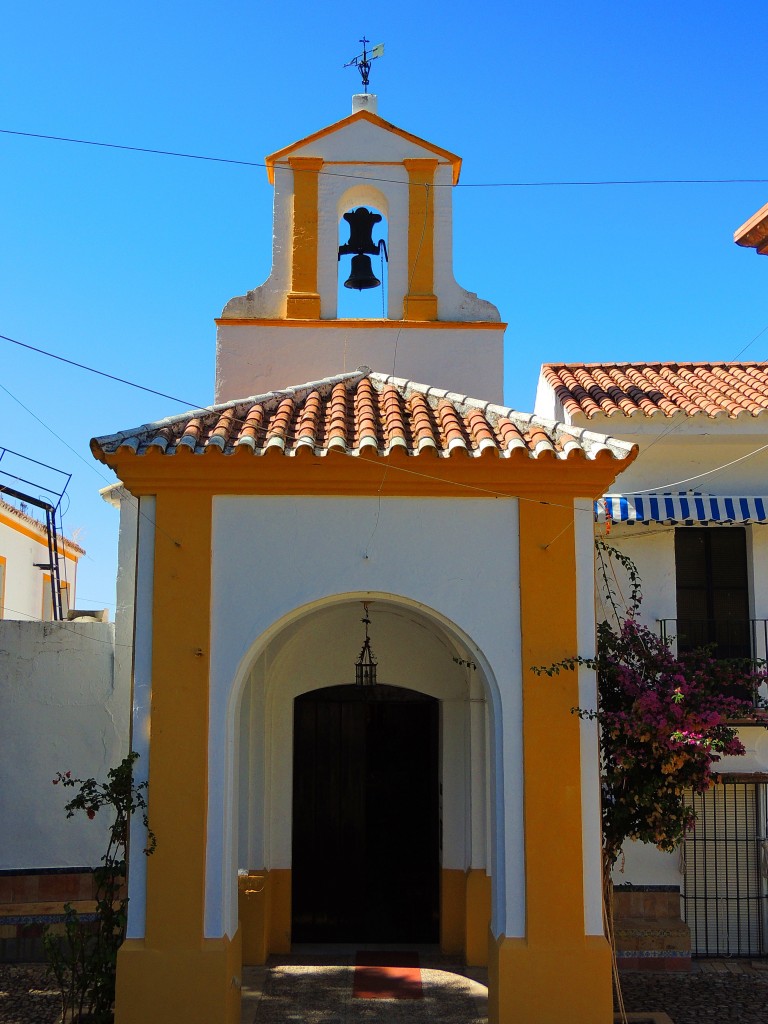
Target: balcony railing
[
  {"x": 745, "y": 639},
  {"x": 729, "y": 638}
]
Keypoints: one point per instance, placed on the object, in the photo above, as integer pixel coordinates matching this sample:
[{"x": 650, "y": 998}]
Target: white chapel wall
[
  {"x": 274, "y": 556},
  {"x": 253, "y": 359}
]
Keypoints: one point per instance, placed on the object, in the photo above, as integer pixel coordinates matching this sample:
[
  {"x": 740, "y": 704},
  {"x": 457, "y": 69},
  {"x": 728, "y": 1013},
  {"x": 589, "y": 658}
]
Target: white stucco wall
[
  {"x": 59, "y": 711},
  {"x": 252, "y": 359},
  {"x": 427, "y": 555},
  {"x": 23, "y": 595},
  {"x": 643, "y": 864}
]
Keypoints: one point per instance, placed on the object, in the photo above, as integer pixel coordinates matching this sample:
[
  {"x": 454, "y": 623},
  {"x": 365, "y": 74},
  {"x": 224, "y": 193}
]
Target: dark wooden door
[{"x": 365, "y": 816}]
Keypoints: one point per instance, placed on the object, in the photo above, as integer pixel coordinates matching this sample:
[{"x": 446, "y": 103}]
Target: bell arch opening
[{"x": 363, "y": 278}]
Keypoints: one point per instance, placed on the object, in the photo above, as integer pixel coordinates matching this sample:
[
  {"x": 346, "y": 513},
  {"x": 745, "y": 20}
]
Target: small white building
[
  {"x": 691, "y": 512},
  {"x": 25, "y": 582},
  {"x": 60, "y": 710}
]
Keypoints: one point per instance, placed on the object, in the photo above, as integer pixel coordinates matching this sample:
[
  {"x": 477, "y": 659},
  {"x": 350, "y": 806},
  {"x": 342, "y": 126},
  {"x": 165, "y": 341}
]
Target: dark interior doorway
[{"x": 365, "y": 816}]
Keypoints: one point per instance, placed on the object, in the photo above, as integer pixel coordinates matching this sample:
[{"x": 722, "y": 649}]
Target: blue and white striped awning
[{"x": 681, "y": 508}]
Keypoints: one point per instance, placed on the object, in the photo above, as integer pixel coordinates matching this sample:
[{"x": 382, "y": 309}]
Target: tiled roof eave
[
  {"x": 131, "y": 437},
  {"x": 667, "y": 392},
  {"x": 495, "y": 412},
  {"x": 485, "y": 453},
  {"x": 362, "y": 414}
]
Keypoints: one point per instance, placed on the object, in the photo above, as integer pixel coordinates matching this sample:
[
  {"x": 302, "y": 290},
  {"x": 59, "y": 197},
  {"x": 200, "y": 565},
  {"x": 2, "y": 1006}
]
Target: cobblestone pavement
[
  {"x": 317, "y": 990},
  {"x": 27, "y": 995},
  {"x": 721, "y": 991}
]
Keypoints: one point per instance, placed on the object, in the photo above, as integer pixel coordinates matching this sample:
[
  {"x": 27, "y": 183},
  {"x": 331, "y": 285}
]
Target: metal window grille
[
  {"x": 725, "y": 865},
  {"x": 687, "y": 634}
]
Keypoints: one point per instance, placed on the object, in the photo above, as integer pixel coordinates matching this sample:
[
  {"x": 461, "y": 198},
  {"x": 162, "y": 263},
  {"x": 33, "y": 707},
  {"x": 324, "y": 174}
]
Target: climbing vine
[{"x": 83, "y": 959}]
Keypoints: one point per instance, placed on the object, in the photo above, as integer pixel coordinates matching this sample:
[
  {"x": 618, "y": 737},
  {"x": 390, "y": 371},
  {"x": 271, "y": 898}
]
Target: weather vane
[{"x": 363, "y": 60}]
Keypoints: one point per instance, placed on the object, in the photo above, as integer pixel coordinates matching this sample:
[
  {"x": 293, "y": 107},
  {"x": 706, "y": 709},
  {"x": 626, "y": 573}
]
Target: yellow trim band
[
  {"x": 393, "y": 325},
  {"x": 542, "y": 481}
]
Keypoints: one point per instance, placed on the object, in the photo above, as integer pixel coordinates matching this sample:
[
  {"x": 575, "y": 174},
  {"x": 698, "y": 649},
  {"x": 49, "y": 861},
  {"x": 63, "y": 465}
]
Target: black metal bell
[
  {"x": 361, "y": 222},
  {"x": 361, "y": 275}
]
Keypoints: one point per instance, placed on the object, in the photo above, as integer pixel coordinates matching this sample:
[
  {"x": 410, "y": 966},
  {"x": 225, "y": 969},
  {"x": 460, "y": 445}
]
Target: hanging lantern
[{"x": 365, "y": 666}]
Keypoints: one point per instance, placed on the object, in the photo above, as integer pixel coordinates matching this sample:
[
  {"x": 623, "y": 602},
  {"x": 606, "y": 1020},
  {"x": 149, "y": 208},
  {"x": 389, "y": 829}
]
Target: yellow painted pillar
[
  {"x": 478, "y": 918},
  {"x": 556, "y": 973},
  {"x": 453, "y": 911},
  {"x": 420, "y": 302},
  {"x": 304, "y": 298},
  {"x": 175, "y": 973}
]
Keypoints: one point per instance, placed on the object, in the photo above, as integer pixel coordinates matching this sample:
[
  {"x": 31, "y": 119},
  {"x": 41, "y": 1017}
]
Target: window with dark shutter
[{"x": 712, "y": 590}]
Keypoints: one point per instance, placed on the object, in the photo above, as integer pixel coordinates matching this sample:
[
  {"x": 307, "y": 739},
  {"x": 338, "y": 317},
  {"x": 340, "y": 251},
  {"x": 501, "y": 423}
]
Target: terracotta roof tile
[
  {"x": 363, "y": 412},
  {"x": 715, "y": 390}
]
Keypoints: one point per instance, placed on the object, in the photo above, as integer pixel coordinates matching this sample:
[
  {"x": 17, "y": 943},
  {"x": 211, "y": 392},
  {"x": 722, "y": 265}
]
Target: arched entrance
[
  {"x": 366, "y": 827},
  {"x": 391, "y": 843}
]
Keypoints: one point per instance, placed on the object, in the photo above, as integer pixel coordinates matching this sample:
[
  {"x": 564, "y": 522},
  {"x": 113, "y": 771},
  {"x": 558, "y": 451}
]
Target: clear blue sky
[{"x": 122, "y": 260}]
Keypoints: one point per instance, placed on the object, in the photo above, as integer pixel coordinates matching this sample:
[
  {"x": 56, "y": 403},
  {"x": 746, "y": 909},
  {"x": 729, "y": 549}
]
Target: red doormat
[{"x": 384, "y": 975}]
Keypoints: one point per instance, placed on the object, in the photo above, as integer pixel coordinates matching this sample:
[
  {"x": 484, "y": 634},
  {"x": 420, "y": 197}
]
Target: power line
[
  {"x": 288, "y": 436},
  {"x": 196, "y": 406},
  {"x": 677, "y": 425},
  {"x": 392, "y": 181},
  {"x": 709, "y": 472},
  {"x": 57, "y": 436},
  {"x": 86, "y": 462},
  {"x": 101, "y": 373},
  {"x": 64, "y": 624}
]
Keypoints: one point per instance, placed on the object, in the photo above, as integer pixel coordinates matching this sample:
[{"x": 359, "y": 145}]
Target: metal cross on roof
[{"x": 363, "y": 60}]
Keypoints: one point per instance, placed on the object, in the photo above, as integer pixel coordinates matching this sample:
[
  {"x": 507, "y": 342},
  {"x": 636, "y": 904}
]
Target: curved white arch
[
  {"x": 364, "y": 194},
  {"x": 221, "y": 860}
]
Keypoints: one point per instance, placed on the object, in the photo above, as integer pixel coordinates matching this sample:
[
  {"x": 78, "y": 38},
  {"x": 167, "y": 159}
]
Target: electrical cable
[
  {"x": 64, "y": 623},
  {"x": 677, "y": 425},
  {"x": 58, "y": 438},
  {"x": 101, "y": 373},
  {"x": 90, "y": 465},
  {"x": 391, "y": 181},
  {"x": 293, "y": 437},
  {"x": 709, "y": 472},
  {"x": 196, "y": 407},
  {"x": 394, "y": 352}
]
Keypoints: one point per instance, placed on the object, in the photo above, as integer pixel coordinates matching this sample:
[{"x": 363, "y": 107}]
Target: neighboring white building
[
  {"x": 60, "y": 710},
  {"x": 25, "y": 589},
  {"x": 691, "y": 512}
]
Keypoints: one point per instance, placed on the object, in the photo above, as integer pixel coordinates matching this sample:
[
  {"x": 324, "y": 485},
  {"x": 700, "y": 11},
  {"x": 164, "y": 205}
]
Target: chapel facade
[{"x": 373, "y": 474}]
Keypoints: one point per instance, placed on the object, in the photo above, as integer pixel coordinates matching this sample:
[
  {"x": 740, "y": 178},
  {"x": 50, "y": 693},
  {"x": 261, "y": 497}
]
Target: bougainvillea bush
[{"x": 665, "y": 719}]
